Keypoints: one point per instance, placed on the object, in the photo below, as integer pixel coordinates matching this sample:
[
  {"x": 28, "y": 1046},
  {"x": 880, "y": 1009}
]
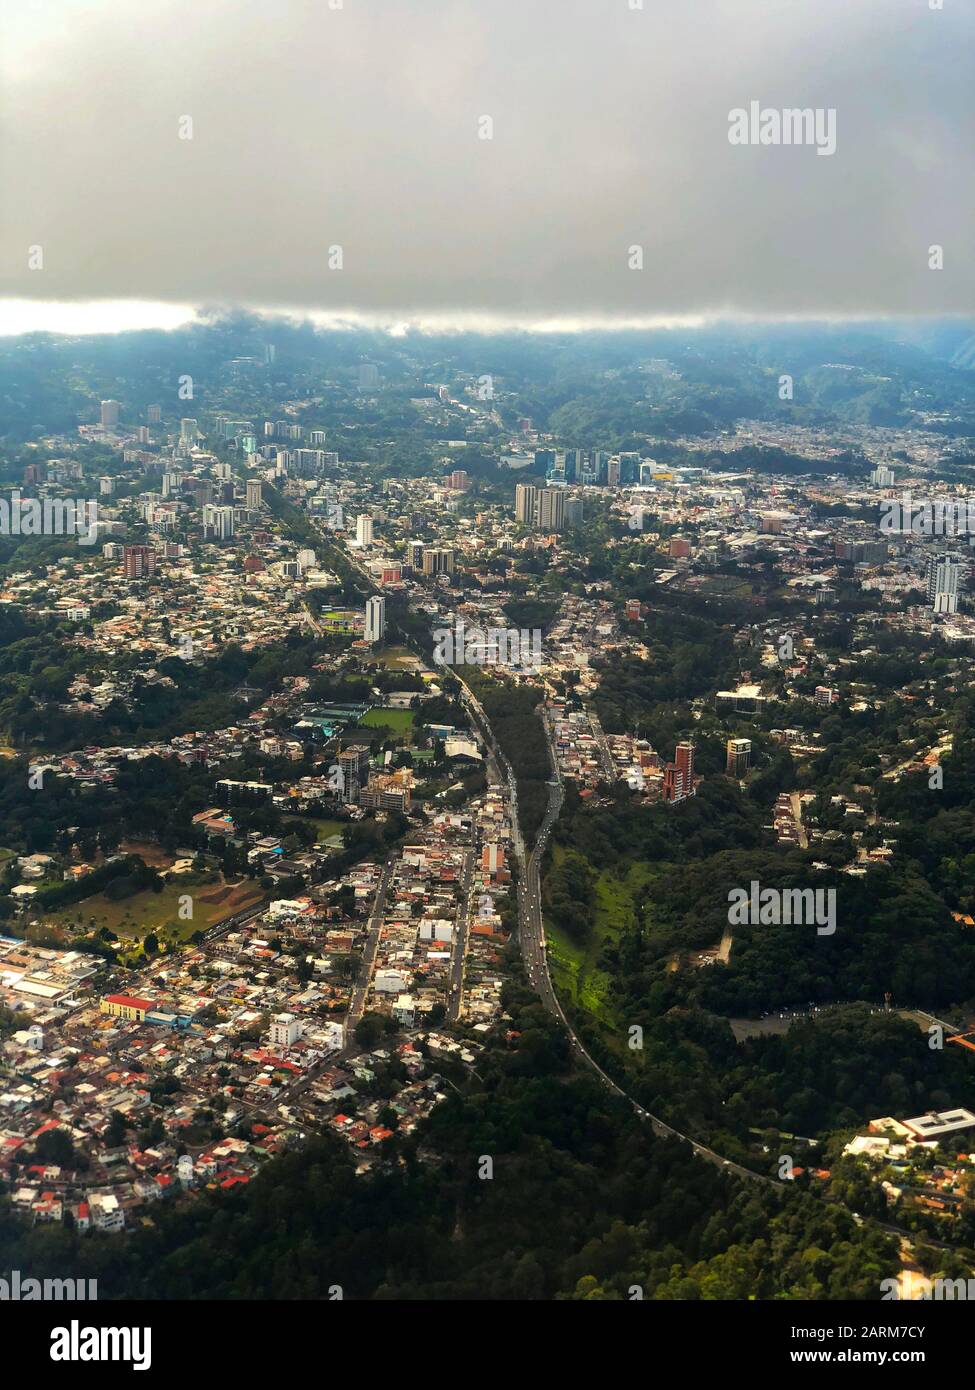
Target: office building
[
  {"x": 739, "y": 756},
  {"x": 575, "y": 513},
  {"x": 255, "y": 494},
  {"x": 109, "y": 414}
]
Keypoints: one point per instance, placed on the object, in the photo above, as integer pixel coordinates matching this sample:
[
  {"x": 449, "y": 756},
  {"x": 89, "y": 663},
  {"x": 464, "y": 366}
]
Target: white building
[
  {"x": 944, "y": 582},
  {"x": 375, "y": 618},
  {"x": 285, "y": 1030},
  {"x": 219, "y": 521},
  {"x": 363, "y": 530}
]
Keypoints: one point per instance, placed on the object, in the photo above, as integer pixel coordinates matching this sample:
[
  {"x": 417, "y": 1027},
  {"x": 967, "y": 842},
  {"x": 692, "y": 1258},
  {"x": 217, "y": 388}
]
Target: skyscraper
[
  {"x": 375, "y": 619},
  {"x": 188, "y": 431},
  {"x": 254, "y": 493},
  {"x": 363, "y": 530},
  {"x": 109, "y": 414}
]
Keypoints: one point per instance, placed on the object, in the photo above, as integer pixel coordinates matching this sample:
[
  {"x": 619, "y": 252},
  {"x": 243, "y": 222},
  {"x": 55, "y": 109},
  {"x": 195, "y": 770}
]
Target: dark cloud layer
[{"x": 357, "y": 127}]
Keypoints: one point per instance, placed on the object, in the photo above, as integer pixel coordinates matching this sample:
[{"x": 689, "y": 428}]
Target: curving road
[{"x": 531, "y": 932}]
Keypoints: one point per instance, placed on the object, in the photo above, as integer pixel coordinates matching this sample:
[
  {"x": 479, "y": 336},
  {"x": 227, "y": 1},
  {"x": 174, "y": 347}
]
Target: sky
[{"x": 337, "y": 161}]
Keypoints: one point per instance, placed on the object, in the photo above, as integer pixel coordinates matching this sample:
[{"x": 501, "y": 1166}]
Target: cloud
[{"x": 358, "y": 127}]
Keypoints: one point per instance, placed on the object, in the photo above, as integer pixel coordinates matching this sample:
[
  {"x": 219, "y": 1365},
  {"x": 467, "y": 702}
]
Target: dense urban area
[{"x": 488, "y": 817}]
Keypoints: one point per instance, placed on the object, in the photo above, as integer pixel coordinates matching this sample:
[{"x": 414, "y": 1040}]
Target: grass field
[
  {"x": 134, "y": 918},
  {"x": 399, "y": 720},
  {"x": 397, "y": 659},
  {"x": 325, "y": 828},
  {"x": 575, "y": 965}
]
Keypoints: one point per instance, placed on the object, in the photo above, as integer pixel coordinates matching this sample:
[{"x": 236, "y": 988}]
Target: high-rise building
[
  {"x": 739, "y": 759},
  {"x": 254, "y": 494},
  {"x": 218, "y": 522},
  {"x": 188, "y": 431},
  {"x": 154, "y": 414},
  {"x": 882, "y": 476},
  {"x": 375, "y": 619},
  {"x": 364, "y": 530},
  {"x": 629, "y": 468},
  {"x": 109, "y": 414},
  {"x": 416, "y": 549},
  {"x": 679, "y": 775},
  {"x": 354, "y": 763},
  {"x": 368, "y": 376},
  {"x": 574, "y": 511},
  {"x": 139, "y": 561},
  {"x": 544, "y": 460},
  {"x": 944, "y": 582},
  {"x": 436, "y": 561},
  {"x": 550, "y": 509},
  {"x": 573, "y": 464},
  {"x": 525, "y": 495}
]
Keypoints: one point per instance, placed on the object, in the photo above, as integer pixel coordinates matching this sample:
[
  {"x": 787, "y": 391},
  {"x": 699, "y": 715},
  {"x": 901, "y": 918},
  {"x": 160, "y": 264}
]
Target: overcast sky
[{"x": 358, "y": 127}]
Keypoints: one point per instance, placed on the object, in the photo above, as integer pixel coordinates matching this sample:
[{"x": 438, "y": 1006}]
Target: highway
[
  {"x": 459, "y": 949},
  {"x": 374, "y": 931},
  {"x": 531, "y": 932},
  {"x": 531, "y": 928}
]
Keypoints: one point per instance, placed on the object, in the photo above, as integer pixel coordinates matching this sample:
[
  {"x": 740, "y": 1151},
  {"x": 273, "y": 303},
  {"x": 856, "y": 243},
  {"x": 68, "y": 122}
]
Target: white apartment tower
[{"x": 375, "y": 618}]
